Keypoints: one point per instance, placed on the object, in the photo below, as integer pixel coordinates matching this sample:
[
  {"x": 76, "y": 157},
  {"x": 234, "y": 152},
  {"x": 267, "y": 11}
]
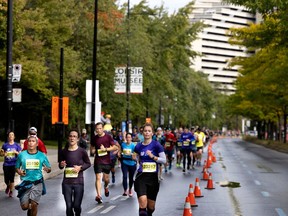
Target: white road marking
[
  {"x": 257, "y": 182},
  {"x": 107, "y": 209},
  {"x": 265, "y": 194},
  {"x": 116, "y": 197},
  {"x": 95, "y": 209},
  {"x": 280, "y": 212}
]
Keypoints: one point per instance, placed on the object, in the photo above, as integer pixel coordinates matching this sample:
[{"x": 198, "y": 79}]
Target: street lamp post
[
  {"x": 94, "y": 69},
  {"x": 128, "y": 70},
  {"x": 9, "y": 66}
]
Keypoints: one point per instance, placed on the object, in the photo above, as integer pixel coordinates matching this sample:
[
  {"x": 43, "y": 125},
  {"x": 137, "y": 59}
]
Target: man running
[{"x": 102, "y": 145}]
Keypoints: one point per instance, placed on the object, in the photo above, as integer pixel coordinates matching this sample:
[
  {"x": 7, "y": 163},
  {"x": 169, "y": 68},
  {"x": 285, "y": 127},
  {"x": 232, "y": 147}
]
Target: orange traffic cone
[
  {"x": 187, "y": 209},
  {"x": 205, "y": 175},
  {"x": 197, "y": 190},
  {"x": 209, "y": 162},
  {"x": 210, "y": 182},
  {"x": 204, "y": 165},
  {"x": 213, "y": 158},
  {"x": 191, "y": 196}
]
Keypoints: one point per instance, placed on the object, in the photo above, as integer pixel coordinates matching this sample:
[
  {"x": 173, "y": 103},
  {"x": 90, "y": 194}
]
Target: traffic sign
[{"x": 16, "y": 74}]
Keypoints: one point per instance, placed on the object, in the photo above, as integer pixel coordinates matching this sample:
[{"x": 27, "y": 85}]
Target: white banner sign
[
  {"x": 136, "y": 80},
  {"x": 17, "y": 95}
]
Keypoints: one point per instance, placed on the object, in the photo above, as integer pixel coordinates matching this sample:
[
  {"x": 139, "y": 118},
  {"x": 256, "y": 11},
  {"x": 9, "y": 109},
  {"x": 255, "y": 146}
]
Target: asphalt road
[{"x": 249, "y": 180}]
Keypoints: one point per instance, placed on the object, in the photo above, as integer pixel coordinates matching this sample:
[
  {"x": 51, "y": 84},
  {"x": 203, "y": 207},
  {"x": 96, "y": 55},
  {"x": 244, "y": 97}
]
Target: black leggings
[
  {"x": 9, "y": 174},
  {"x": 186, "y": 153},
  {"x": 125, "y": 170},
  {"x": 73, "y": 195}
]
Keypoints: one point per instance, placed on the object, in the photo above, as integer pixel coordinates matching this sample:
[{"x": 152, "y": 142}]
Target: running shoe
[
  {"x": 170, "y": 166},
  {"x": 99, "y": 199},
  {"x": 125, "y": 193},
  {"x": 7, "y": 190},
  {"x": 160, "y": 178},
  {"x": 106, "y": 191},
  {"x": 130, "y": 193},
  {"x": 177, "y": 165},
  {"x": 113, "y": 179},
  {"x": 166, "y": 170},
  {"x": 10, "y": 194},
  {"x": 184, "y": 170}
]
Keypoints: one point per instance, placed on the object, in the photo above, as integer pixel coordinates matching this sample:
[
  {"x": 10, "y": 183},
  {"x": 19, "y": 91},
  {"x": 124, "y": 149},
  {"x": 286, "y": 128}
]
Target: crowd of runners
[{"x": 143, "y": 155}]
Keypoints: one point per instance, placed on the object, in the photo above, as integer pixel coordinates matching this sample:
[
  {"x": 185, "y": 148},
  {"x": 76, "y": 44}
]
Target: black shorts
[
  {"x": 102, "y": 168},
  {"x": 147, "y": 184},
  {"x": 198, "y": 148}
]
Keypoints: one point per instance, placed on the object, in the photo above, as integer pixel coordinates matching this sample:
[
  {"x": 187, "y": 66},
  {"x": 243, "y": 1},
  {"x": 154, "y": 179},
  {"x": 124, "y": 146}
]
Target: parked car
[{"x": 251, "y": 133}]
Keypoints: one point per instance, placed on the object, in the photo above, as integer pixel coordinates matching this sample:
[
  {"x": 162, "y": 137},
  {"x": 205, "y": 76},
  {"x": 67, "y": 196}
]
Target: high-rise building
[{"x": 212, "y": 42}]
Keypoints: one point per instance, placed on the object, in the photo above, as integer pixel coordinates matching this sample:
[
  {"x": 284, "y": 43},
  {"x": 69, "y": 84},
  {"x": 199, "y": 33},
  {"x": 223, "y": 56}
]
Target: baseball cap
[
  {"x": 159, "y": 128},
  {"x": 84, "y": 130},
  {"x": 33, "y": 129}
]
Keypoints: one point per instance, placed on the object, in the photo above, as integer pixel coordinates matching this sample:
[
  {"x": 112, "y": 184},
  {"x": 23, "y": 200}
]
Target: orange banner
[
  {"x": 65, "y": 110},
  {"x": 55, "y": 110},
  {"x": 148, "y": 120}
]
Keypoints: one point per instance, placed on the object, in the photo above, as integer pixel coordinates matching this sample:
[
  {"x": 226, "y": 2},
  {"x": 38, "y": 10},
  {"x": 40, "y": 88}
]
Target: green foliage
[{"x": 153, "y": 39}]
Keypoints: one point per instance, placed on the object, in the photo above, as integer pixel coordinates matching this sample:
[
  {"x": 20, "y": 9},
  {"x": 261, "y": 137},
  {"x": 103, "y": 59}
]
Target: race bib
[
  {"x": 10, "y": 154},
  {"x": 70, "y": 173},
  {"x": 179, "y": 144},
  {"x": 186, "y": 143},
  {"x": 193, "y": 142},
  {"x": 149, "y": 167},
  {"x": 127, "y": 151},
  {"x": 167, "y": 144},
  {"x": 101, "y": 152},
  {"x": 32, "y": 164}
]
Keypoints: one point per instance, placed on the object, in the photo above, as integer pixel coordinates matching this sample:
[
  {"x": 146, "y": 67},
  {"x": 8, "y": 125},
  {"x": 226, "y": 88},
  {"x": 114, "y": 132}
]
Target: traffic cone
[
  {"x": 191, "y": 196},
  {"x": 187, "y": 209},
  {"x": 204, "y": 166},
  {"x": 209, "y": 162},
  {"x": 214, "y": 158},
  {"x": 197, "y": 190},
  {"x": 205, "y": 175},
  {"x": 210, "y": 182}
]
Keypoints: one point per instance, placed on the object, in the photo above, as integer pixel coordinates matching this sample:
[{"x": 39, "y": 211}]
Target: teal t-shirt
[
  {"x": 127, "y": 151},
  {"x": 32, "y": 164}
]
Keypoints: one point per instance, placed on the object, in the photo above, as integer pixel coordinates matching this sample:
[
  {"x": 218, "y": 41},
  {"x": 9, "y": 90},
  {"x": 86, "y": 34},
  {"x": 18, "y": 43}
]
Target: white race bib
[
  {"x": 186, "y": 143},
  {"x": 149, "y": 167},
  {"x": 101, "y": 152},
  {"x": 70, "y": 173},
  {"x": 32, "y": 164}
]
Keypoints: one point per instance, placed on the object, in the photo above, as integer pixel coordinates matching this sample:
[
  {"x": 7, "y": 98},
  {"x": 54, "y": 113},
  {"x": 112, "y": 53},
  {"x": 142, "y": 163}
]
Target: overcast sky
[{"x": 170, "y": 5}]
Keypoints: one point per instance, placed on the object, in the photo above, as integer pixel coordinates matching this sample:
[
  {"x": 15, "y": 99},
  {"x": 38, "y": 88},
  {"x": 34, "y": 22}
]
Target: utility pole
[
  {"x": 94, "y": 69},
  {"x": 9, "y": 66},
  {"x": 60, "y": 123},
  {"x": 147, "y": 103},
  {"x": 128, "y": 70}
]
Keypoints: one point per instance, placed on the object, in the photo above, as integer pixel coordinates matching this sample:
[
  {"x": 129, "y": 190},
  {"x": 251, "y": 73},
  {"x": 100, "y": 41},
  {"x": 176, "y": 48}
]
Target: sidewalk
[{"x": 52, "y": 156}]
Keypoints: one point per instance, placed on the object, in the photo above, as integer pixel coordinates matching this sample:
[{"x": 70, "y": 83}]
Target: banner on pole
[{"x": 136, "y": 80}]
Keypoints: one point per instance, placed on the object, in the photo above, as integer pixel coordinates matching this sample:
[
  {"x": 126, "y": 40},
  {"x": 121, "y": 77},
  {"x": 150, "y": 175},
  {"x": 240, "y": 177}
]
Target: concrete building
[{"x": 213, "y": 41}]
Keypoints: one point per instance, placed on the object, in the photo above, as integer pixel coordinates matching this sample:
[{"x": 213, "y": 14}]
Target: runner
[
  {"x": 102, "y": 145},
  {"x": 200, "y": 139},
  {"x": 187, "y": 138},
  {"x": 74, "y": 160},
  {"x": 10, "y": 151},
  {"x": 128, "y": 165},
  {"x": 29, "y": 166},
  {"x": 41, "y": 146},
  {"x": 150, "y": 153},
  {"x": 159, "y": 136},
  {"x": 169, "y": 148},
  {"x": 179, "y": 151}
]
